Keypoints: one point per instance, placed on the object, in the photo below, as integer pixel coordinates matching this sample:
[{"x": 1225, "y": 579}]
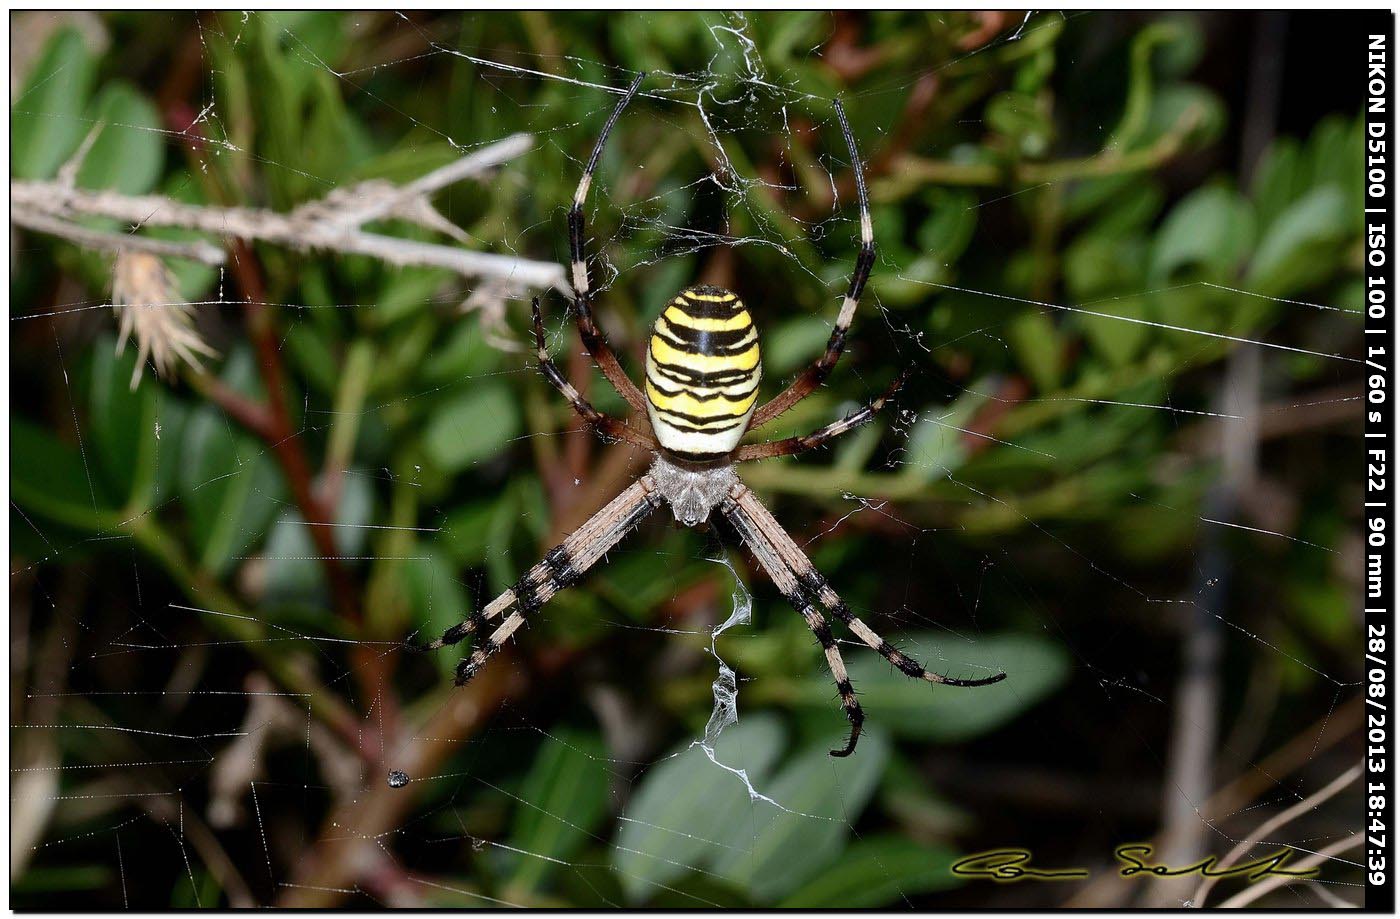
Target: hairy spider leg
[
  {"x": 803, "y": 587},
  {"x": 604, "y": 425},
  {"x": 793, "y": 445},
  {"x": 588, "y": 329},
  {"x": 786, "y": 580},
  {"x": 814, "y": 375},
  {"x": 561, "y": 567}
]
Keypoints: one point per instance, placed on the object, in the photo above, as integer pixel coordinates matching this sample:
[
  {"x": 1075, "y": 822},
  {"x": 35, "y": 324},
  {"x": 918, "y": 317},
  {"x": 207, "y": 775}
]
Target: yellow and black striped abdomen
[{"x": 702, "y": 373}]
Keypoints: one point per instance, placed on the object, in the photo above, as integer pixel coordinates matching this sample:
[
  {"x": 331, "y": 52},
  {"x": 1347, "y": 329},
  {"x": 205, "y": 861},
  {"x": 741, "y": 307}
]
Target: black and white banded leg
[
  {"x": 793, "y": 445},
  {"x": 803, "y": 586},
  {"x": 787, "y": 582},
  {"x": 605, "y": 426},
  {"x": 814, "y": 375},
  {"x": 561, "y": 567},
  {"x": 588, "y": 329}
]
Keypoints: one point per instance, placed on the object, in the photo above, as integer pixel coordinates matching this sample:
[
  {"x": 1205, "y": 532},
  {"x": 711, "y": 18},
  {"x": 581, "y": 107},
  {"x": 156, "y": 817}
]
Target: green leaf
[
  {"x": 62, "y": 879},
  {"x": 340, "y": 140},
  {"x": 683, "y": 805},
  {"x": 46, "y": 121},
  {"x": 1332, "y": 157},
  {"x": 1132, "y": 212},
  {"x": 412, "y": 159},
  {"x": 465, "y": 533},
  {"x": 311, "y": 350},
  {"x": 1101, "y": 265},
  {"x": 1279, "y": 180},
  {"x": 473, "y": 426},
  {"x": 51, "y": 478},
  {"x": 461, "y": 353},
  {"x": 879, "y": 871},
  {"x": 1022, "y": 120},
  {"x": 1116, "y": 341},
  {"x": 917, "y": 807},
  {"x": 129, "y": 153},
  {"x": 122, "y": 421},
  {"x": 1212, "y": 229},
  {"x": 820, "y": 797},
  {"x": 1193, "y": 112},
  {"x": 503, "y": 527},
  {"x": 1039, "y": 347},
  {"x": 951, "y": 223},
  {"x": 229, "y": 486},
  {"x": 1147, "y": 534},
  {"x": 279, "y": 102},
  {"x": 935, "y": 446},
  {"x": 793, "y": 343},
  {"x": 562, "y": 799},
  {"x": 167, "y": 432},
  {"x": 1298, "y": 248},
  {"x": 229, "y": 483},
  {"x": 1093, "y": 194},
  {"x": 293, "y": 570},
  {"x": 1034, "y": 667},
  {"x": 632, "y": 583}
]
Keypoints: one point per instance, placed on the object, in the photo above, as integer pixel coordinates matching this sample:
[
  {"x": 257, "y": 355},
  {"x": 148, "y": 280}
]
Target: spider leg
[
  {"x": 792, "y": 445},
  {"x": 588, "y": 329},
  {"x": 814, "y": 375},
  {"x": 818, "y": 585},
  {"x": 605, "y": 426},
  {"x": 786, "y": 580},
  {"x": 561, "y": 567},
  {"x": 795, "y": 575},
  {"x": 854, "y": 713}
]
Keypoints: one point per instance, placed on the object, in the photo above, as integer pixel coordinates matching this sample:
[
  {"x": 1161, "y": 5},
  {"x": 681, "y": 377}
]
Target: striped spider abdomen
[{"x": 702, "y": 373}]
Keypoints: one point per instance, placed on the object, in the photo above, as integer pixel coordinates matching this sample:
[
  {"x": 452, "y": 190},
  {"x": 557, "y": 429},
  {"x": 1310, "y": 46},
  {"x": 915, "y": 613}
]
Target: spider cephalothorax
[
  {"x": 692, "y": 492},
  {"x": 701, "y": 398}
]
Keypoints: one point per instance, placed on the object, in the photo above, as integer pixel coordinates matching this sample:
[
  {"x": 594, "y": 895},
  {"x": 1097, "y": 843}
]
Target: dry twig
[
  {"x": 1256, "y": 836},
  {"x": 332, "y": 224},
  {"x": 1250, "y": 894}
]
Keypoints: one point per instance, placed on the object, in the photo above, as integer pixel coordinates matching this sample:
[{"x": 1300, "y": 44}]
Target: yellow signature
[{"x": 1012, "y": 864}]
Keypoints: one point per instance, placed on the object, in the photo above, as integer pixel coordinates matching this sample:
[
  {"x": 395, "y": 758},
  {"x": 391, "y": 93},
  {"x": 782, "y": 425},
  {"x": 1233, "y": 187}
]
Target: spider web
[{"x": 659, "y": 735}]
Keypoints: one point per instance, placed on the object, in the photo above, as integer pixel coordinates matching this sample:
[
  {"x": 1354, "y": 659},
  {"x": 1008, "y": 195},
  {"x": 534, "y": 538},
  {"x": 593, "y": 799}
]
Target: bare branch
[
  {"x": 68, "y": 172},
  {"x": 474, "y": 164},
  {"x": 88, "y": 238},
  {"x": 1268, "y": 884},
  {"x": 332, "y": 224},
  {"x": 1258, "y": 835}
]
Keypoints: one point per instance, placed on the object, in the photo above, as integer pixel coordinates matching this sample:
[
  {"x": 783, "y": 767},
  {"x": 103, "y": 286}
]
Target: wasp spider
[{"x": 701, "y": 397}]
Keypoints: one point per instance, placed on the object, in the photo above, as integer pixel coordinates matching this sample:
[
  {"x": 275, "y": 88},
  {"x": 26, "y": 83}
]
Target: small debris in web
[{"x": 398, "y": 779}]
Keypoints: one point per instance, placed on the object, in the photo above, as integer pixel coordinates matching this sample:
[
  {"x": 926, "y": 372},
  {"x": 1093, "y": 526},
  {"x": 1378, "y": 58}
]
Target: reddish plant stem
[
  {"x": 373, "y": 668},
  {"x": 272, "y": 423},
  {"x": 990, "y": 24},
  {"x": 349, "y": 846},
  {"x": 844, "y": 52},
  {"x": 240, "y": 408},
  {"x": 978, "y": 436},
  {"x": 283, "y": 438}
]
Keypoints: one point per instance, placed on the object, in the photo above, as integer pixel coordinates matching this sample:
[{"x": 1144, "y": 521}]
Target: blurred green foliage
[{"x": 1062, "y": 243}]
